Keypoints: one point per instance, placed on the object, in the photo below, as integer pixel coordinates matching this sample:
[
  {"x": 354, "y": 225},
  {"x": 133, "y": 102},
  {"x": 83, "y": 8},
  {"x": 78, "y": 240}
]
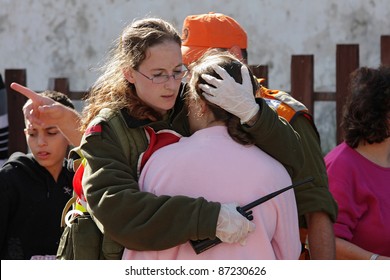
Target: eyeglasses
[{"x": 160, "y": 79}]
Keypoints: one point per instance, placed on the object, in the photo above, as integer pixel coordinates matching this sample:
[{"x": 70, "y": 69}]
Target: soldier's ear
[{"x": 129, "y": 74}]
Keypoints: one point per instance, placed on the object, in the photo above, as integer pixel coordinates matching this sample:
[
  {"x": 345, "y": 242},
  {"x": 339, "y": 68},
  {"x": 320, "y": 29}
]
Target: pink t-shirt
[
  {"x": 362, "y": 191},
  {"x": 212, "y": 165}
]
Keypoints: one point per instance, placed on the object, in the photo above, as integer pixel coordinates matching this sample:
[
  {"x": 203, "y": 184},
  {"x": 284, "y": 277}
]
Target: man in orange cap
[
  {"x": 212, "y": 30},
  {"x": 317, "y": 209}
]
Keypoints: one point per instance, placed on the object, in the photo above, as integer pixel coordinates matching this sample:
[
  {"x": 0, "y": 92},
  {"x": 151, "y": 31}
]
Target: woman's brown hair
[
  {"x": 112, "y": 90},
  {"x": 232, "y": 66},
  {"x": 366, "y": 113}
]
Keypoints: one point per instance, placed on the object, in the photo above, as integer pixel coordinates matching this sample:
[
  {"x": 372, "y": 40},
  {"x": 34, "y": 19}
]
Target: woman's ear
[
  {"x": 197, "y": 108},
  {"x": 202, "y": 107},
  {"x": 236, "y": 51},
  {"x": 128, "y": 73}
]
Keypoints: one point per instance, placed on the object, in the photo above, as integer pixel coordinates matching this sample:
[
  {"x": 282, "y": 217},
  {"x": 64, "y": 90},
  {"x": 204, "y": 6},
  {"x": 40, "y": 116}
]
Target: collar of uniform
[{"x": 132, "y": 122}]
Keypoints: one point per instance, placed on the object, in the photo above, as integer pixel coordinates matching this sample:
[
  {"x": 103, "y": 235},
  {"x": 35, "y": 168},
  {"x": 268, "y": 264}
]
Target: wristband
[{"x": 374, "y": 257}]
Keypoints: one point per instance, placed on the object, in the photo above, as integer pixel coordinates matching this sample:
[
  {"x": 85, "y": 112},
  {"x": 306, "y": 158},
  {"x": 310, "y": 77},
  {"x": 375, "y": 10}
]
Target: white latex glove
[
  {"x": 235, "y": 98},
  {"x": 232, "y": 227}
]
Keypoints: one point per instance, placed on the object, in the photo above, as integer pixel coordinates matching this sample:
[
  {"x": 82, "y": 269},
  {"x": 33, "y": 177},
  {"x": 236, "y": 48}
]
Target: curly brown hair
[
  {"x": 233, "y": 66},
  {"x": 112, "y": 90},
  {"x": 367, "y": 110}
]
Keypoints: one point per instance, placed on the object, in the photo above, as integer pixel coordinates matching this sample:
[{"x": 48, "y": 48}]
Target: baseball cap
[{"x": 212, "y": 30}]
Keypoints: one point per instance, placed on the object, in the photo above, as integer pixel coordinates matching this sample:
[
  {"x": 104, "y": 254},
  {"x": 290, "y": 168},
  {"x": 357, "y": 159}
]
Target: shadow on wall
[{"x": 325, "y": 120}]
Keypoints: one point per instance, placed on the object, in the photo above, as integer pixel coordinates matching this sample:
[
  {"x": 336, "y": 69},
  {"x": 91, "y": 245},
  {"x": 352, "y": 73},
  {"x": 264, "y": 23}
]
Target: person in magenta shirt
[
  {"x": 219, "y": 162},
  {"x": 359, "y": 169}
]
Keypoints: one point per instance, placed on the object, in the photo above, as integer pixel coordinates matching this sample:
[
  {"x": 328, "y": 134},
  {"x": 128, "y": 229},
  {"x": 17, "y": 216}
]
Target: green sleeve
[
  {"x": 275, "y": 136},
  {"x": 138, "y": 220},
  {"x": 314, "y": 196}
]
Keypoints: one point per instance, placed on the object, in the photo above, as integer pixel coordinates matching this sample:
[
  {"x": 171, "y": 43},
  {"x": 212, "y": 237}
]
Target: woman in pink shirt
[
  {"x": 219, "y": 162},
  {"x": 359, "y": 169}
]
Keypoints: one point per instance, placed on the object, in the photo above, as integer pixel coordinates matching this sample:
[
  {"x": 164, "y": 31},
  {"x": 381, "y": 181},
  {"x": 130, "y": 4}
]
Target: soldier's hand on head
[{"x": 234, "y": 97}]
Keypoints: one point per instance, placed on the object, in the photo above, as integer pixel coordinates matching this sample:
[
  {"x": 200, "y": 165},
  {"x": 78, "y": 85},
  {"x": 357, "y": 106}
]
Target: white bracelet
[{"x": 374, "y": 257}]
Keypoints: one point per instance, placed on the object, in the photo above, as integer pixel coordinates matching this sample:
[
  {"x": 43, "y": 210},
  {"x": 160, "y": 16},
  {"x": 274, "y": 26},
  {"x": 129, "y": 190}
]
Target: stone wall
[{"x": 70, "y": 38}]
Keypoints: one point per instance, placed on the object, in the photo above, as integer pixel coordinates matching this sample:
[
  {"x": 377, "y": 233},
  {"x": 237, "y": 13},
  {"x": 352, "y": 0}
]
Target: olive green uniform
[
  {"x": 314, "y": 196},
  {"x": 143, "y": 221}
]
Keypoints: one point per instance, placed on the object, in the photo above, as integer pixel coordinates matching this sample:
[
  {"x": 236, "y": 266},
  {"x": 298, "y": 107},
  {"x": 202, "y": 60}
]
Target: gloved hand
[
  {"x": 235, "y": 98},
  {"x": 232, "y": 227}
]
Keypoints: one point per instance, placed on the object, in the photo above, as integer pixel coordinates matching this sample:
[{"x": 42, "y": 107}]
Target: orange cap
[{"x": 212, "y": 30}]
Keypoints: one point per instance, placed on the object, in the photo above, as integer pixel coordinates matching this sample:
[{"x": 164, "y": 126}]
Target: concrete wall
[{"x": 69, "y": 38}]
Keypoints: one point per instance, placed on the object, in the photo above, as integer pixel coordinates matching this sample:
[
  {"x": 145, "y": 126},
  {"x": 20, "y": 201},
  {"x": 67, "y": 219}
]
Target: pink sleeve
[{"x": 342, "y": 188}]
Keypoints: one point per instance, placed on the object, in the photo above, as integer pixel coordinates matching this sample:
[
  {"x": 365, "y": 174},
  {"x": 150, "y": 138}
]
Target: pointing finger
[{"x": 25, "y": 91}]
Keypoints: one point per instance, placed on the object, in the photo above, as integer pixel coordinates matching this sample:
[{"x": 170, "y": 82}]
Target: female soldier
[{"x": 141, "y": 85}]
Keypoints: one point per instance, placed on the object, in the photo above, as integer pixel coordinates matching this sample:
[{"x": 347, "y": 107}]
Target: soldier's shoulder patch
[{"x": 93, "y": 129}]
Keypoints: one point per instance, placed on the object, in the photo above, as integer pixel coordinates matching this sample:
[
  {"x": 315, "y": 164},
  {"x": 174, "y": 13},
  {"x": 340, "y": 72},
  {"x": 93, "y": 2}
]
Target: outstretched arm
[{"x": 45, "y": 111}]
